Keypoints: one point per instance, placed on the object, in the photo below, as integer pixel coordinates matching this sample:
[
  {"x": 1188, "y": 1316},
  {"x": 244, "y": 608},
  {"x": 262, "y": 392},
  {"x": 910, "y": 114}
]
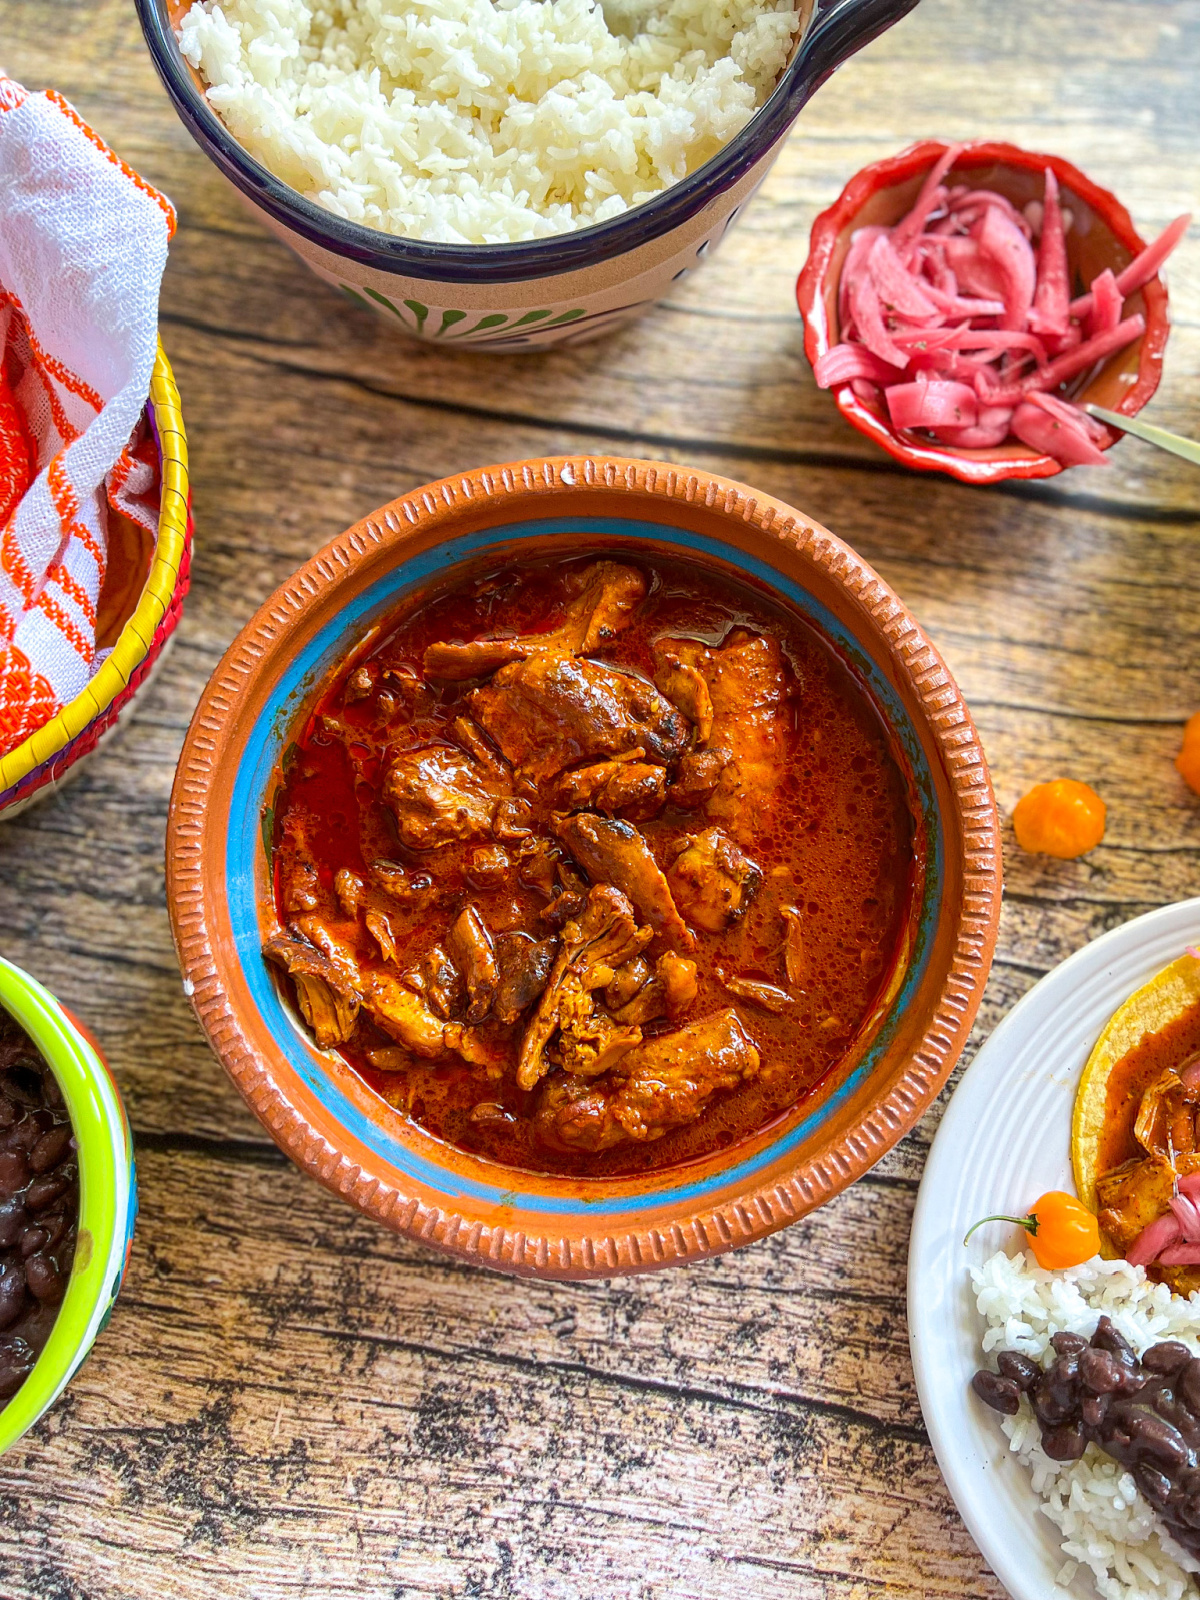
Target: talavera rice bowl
[
  {"x": 564, "y": 288},
  {"x": 315, "y": 1106}
]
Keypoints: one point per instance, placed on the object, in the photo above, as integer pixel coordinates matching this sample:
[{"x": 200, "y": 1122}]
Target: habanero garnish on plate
[
  {"x": 962, "y": 318},
  {"x": 1097, "y": 1368}
]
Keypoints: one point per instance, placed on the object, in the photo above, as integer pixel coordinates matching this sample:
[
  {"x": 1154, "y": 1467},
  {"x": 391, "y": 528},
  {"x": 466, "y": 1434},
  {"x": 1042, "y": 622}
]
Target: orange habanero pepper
[
  {"x": 1062, "y": 1231},
  {"x": 1063, "y": 818},
  {"x": 1187, "y": 762}
]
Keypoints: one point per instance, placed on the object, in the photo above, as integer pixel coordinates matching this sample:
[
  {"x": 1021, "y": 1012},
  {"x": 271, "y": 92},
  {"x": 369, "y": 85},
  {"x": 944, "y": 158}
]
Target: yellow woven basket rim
[{"x": 138, "y": 633}]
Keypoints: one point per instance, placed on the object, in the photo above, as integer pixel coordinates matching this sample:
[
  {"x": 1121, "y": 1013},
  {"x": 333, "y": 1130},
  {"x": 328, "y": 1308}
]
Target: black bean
[
  {"x": 1106, "y": 1337},
  {"x": 1153, "y": 1483},
  {"x": 1167, "y": 1357},
  {"x": 1132, "y": 1376},
  {"x": 13, "y": 1218},
  {"x": 42, "y": 1190},
  {"x": 1068, "y": 1344},
  {"x": 39, "y": 1204},
  {"x": 1153, "y": 1436},
  {"x": 1158, "y": 1393},
  {"x": 1049, "y": 1410},
  {"x": 23, "y": 1135},
  {"x": 24, "y": 1084},
  {"x": 12, "y": 1294},
  {"x": 1062, "y": 1378},
  {"x": 1065, "y": 1443},
  {"x": 1000, "y": 1393},
  {"x": 14, "y": 1172},
  {"x": 33, "y": 1240},
  {"x": 56, "y": 1224},
  {"x": 47, "y": 1283},
  {"x": 16, "y": 1363},
  {"x": 1100, "y": 1371},
  {"x": 1187, "y": 1386},
  {"x": 1093, "y": 1408},
  {"x": 1116, "y": 1435},
  {"x": 1189, "y": 1510},
  {"x": 50, "y": 1148},
  {"x": 1023, "y": 1371}
]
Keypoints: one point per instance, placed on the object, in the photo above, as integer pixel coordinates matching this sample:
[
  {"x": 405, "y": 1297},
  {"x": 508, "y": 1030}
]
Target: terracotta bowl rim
[
  {"x": 607, "y": 1238},
  {"x": 970, "y": 466}
]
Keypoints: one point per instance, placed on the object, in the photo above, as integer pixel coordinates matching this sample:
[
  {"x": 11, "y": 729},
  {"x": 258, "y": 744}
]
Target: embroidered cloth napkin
[{"x": 83, "y": 242}]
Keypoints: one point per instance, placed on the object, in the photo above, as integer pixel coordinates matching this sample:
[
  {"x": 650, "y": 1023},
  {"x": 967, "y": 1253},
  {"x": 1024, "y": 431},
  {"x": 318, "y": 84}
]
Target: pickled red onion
[
  {"x": 1054, "y": 435},
  {"x": 1106, "y": 303},
  {"x": 936, "y": 404},
  {"x": 959, "y": 319},
  {"x": 845, "y": 362},
  {"x": 1051, "y": 312},
  {"x": 1182, "y": 1254},
  {"x": 993, "y": 427},
  {"x": 1172, "y": 1240},
  {"x": 1009, "y": 250},
  {"x": 1187, "y": 1214},
  {"x": 1143, "y": 267},
  {"x": 1157, "y": 1236}
]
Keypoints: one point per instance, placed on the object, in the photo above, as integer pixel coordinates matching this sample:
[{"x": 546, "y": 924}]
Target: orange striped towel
[{"x": 83, "y": 242}]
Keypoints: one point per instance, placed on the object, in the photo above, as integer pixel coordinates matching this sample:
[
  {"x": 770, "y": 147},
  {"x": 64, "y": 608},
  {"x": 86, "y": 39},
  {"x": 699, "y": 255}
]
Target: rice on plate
[
  {"x": 485, "y": 121},
  {"x": 1105, "y": 1522}
]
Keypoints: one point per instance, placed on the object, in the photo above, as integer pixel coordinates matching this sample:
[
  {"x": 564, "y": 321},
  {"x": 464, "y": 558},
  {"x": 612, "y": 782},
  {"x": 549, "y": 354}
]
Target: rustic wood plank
[
  {"x": 290, "y": 1402},
  {"x": 288, "y": 1396}
]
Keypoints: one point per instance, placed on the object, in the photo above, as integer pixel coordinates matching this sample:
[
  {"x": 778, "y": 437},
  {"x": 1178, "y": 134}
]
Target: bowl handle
[{"x": 837, "y": 31}]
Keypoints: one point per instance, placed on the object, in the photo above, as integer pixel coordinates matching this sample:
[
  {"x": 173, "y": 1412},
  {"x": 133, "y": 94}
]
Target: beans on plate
[{"x": 1144, "y": 1413}]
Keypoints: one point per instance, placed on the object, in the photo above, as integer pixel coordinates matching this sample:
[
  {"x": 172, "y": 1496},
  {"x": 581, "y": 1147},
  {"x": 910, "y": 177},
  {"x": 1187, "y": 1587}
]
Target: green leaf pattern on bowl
[{"x": 415, "y": 317}]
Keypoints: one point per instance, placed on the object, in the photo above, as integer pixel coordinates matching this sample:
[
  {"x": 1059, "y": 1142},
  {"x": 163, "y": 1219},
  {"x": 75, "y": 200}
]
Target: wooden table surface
[{"x": 290, "y": 1401}]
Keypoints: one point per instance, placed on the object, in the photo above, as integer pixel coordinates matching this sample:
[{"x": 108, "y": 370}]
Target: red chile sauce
[
  {"x": 1133, "y": 1074},
  {"x": 839, "y": 844}
]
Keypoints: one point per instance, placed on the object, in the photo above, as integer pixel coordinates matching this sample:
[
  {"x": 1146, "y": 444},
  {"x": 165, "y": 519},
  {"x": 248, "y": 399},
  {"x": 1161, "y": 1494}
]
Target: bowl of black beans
[{"x": 67, "y": 1198}]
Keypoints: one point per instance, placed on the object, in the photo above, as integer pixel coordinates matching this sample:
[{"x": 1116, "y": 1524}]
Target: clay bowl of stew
[
  {"x": 1102, "y": 234},
  {"x": 68, "y": 1198},
  {"x": 584, "y": 866}
]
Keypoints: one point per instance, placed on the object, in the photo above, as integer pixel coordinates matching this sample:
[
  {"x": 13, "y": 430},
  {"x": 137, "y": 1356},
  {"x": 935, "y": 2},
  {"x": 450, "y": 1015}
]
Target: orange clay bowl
[
  {"x": 316, "y": 1107},
  {"x": 1102, "y": 235}
]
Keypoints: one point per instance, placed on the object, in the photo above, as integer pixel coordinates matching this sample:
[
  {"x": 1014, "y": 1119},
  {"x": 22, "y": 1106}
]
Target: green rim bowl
[{"x": 107, "y": 1194}]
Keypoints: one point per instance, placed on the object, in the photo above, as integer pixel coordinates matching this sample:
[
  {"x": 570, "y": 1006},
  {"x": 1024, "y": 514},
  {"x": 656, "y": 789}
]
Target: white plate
[{"x": 1004, "y": 1140}]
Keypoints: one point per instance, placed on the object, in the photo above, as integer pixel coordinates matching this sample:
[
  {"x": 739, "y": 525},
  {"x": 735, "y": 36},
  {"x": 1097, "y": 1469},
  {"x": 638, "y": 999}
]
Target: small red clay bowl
[
  {"x": 219, "y": 872},
  {"x": 1102, "y": 235}
]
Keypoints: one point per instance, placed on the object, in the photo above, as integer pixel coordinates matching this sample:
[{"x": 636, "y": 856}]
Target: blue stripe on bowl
[{"x": 260, "y": 756}]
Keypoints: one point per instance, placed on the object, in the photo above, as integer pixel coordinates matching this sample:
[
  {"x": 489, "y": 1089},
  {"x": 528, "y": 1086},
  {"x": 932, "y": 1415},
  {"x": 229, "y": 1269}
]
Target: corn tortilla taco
[{"x": 1135, "y": 1133}]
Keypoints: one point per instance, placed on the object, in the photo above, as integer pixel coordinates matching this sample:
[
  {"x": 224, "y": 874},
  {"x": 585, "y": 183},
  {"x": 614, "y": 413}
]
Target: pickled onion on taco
[{"x": 1135, "y": 1133}]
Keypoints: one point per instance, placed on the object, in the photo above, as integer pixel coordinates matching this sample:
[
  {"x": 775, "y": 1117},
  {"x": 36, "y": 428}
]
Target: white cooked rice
[
  {"x": 1105, "y": 1522},
  {"x": 480, "y": 121}
]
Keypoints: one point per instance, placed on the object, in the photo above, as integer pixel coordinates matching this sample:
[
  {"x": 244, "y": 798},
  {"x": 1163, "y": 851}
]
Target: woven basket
[{"x": 44, "y": 760}]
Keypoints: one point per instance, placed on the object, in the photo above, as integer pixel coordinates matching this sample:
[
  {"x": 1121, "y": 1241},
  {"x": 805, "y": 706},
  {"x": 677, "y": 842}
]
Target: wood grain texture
[{"x": 289, "y": 1402}]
